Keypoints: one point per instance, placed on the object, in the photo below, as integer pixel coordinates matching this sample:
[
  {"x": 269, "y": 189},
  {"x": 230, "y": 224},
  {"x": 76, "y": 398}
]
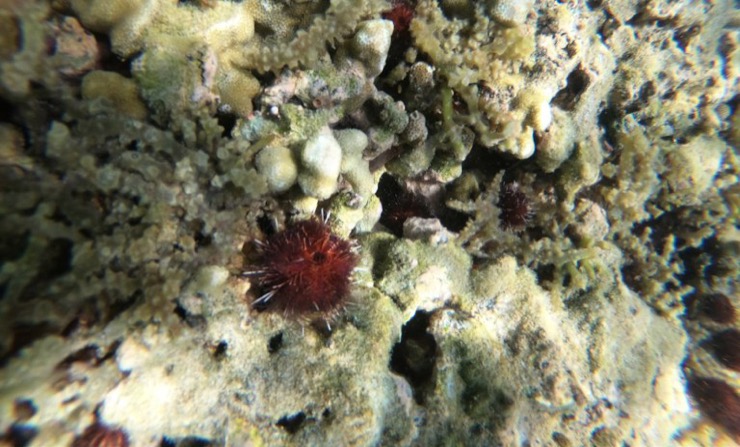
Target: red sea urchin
[
  {"x": 304, "y": 269},
  {"x": 101, "y": 435},
  {"x": 516, "y": 209},
  {"x": 718, "y": 401}
]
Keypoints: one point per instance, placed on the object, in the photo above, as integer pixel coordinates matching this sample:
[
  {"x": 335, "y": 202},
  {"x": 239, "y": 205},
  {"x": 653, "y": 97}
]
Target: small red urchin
[
  {"x": 401, "y": 14},
  {"x": 718, "y": 401},
  {"x": 101, "y": 435},
  {"x": 304, "y": 269},
  {"x": 516, "y": 209}
]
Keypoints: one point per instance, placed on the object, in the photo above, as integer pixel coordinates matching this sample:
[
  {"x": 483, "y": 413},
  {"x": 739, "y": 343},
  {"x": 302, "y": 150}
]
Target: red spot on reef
[
  {"x": 717, "y": 307},
  {"x": 516, "y": 208},
  {"x": 725, "y": 348},
  {"x": 101, "y": 435},
  {"x": 401, "y": 14},
  {"x": 718, "y": 401},
  {"x": 304, "y": 268}
]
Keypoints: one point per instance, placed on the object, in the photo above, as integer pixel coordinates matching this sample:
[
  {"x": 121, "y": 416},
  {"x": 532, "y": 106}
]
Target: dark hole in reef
[
  {"x": 194, "y": 441},
  {"x": 120, "y": 306},
  {"x": 57, "y": 258},
  {"x": 577, "y": 83},
  {"x": 8, "y": 111},
  {"x": 90, "y": 354},
  {"x": 191, "y": 320},
  {"x": 292, "y": 423},
  {"x": 24, "y": 409},
  {"x": 560, "y": 439},
  {"x": 326, "y": 414},
  {"x": 725, "y": 348},
  {"x": 12, "y": 245},
  {"x": 267, "y": 224},
  {"x": 608, "y": 120},
  {"x": 632, "y": 276},
  {"x": 24, "y": 334},
  {"x": 717, "y": 307},
  {"x": 19, "y": 435},
  {"x": 685, "y": 34},
  {"x": 87, "y": 354},
  {"x": 167, "y": 442},
  {"x": 545, "y": 273},
  {"x": 398, "y": 204},
  {"x": 227, "y": 121},
  {"x": 108, "y": 60},
  {"x": 275, "y": 343},
  {"x": 220, "y": 351},
  {"x": 415, "y": 355},
  {"x": 452, "y": 219},
  {"x": 201, "y": 238}
]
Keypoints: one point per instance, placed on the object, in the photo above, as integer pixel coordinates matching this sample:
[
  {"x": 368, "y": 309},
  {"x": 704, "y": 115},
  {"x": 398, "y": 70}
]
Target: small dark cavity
[
  {"x": 12, "y": 245},
  {"x": 561, "y": 440},
  {"x": 167, "y": 442},
  {"x": 194, "y": 441},
  {"x": 186, "y": 317},
  {"x": 23, "y": 335},
  {"x": 718, "y": 401},
  {"x": 19, "y": 435},
  {"x": 57, "y": 258},
  {"x": 292, "y": 423},
  {"x": 108, "y": 60},
  {"x": 200, "y": 236},
  {"x": 725, "y": 348},
  {"x": 275, "y": 343},
  {"x": 399, "y": 204},
  {"x": 24, "y": 409},
  {"x": 415, "y": 355},
  {"x": 91, "y": 354},
  {"x": 227, "y": 121},
  {"x": 267, "y": 224},
  {"x": 576, "y": 84},
  {"x": 717, "y": 307},
  {"x": 220, "y": 351},
  {"x": 685, "y": 34}
]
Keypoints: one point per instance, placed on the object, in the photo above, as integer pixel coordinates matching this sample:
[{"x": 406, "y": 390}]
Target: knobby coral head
[{"x": 304, "y": 269}]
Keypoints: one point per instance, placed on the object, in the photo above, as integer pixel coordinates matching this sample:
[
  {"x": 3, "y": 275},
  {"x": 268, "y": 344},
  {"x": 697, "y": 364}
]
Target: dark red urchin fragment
[
  {"x": 401, "y": 14},
  {"x": 305, "y": 268},
  {"x": 101, "y": 435},
  {"x": 718, "y": 401},
  {"x": 725, "y": 348},
  {"x": 717, "y": 307},
  {"x": 516, "y": 209}
]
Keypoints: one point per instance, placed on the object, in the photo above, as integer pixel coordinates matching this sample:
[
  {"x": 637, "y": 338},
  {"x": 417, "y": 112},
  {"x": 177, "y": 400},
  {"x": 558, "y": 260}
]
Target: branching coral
[{"x": 308, "y": 45}]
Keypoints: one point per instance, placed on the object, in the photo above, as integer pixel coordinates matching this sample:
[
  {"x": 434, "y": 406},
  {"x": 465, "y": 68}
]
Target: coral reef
[{"x": 544, "y": 198}]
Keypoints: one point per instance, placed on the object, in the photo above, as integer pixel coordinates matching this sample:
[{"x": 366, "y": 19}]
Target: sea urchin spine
[
  {"x": 516, "y": 209},
  {"x": 304, "y": 269}
]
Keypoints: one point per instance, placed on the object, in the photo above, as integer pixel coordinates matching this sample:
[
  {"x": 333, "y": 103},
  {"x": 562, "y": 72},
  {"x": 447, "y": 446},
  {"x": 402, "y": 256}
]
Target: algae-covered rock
[
  {"x": 278, "y": 166},
  {"x": 321, "y": 161},
  {"x": 121, "y": 92}
]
